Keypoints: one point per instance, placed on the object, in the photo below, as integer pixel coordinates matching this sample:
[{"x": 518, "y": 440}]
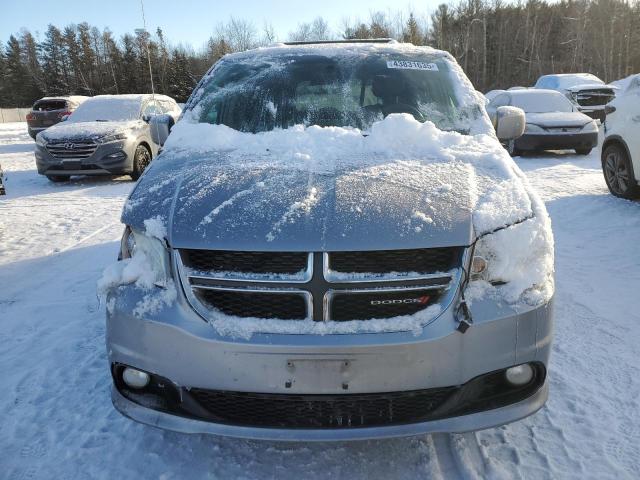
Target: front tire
[
  {"x": 583, "y": 151},
  {"x": 141, "y": 160},
  {"x": 58, "y": 178},
  {"x": 618, "y": 172}
]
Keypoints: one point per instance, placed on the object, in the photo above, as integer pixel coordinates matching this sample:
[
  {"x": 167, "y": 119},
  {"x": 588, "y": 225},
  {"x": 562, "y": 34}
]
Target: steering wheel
[{"x": 403, "y": 108}]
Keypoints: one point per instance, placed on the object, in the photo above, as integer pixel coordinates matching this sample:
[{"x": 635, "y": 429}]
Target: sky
[{"x": 186, "y": 21}]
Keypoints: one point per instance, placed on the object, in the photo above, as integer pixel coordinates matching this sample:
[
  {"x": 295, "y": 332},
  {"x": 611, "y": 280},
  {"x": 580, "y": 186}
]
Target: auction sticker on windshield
[{"x": 410, "y": 65}]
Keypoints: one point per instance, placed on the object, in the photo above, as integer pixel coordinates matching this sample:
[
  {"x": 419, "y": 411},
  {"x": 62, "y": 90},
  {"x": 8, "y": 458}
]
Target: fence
[{"x": 13, "y": 114}]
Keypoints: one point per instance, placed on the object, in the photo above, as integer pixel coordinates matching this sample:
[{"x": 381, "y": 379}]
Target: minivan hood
[
  {"x": 269, "y": 208},
  {"x": 558, "y": 119},
  {"x": 404, "y": 185},
  {"x": 85, "y": 130}
]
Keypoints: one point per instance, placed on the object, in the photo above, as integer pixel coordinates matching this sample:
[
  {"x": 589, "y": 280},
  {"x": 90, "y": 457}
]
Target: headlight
[
  {"x": 40, "y": 140},
  {"x": 531, "y": 128},
  {"x": 150, "y": 253},
  {"x": 590, "y": 127},
  {"x": 517, "y": 260},
  {"x": 113, "y": 138}
]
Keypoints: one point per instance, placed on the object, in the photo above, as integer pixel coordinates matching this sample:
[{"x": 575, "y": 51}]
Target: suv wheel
[
  {"x": 141, "y": 159},
  {"x": 59, "y": 178},
  {"x": 618, "y": 172}
]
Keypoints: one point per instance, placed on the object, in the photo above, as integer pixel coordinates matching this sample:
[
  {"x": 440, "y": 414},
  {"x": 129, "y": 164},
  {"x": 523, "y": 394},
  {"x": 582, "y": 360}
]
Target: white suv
[{"x": 621, "y": 147}]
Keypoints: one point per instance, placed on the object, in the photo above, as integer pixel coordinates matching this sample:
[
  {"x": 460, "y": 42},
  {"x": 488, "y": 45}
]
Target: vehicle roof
[
  {"x": 591, "y": 75},
  {"x": 337, "y": 48},
  {"x": 78, "y": 99},
  {"x": 132, "y": 96},
  {"x": 529, "y": 92}
]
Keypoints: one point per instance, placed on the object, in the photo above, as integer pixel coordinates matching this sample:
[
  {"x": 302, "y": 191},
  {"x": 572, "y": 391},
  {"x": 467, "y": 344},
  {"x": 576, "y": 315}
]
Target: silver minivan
[{"x": 332, "y": 245}]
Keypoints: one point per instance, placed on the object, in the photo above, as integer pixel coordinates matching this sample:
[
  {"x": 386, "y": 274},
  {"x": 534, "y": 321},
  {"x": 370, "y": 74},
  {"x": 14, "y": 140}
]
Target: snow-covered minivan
[{"x": 332, "y": 245}]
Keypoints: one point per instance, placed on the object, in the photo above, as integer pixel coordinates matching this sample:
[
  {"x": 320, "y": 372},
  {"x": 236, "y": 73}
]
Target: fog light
[
  {"x": 135, "y": 378},
  {"x": 478, "y": 265},
  {"x": 519, "y": 375}
]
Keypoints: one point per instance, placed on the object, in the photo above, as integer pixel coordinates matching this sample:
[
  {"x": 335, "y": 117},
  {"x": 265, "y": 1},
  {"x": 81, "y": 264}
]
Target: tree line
[{"x": 499, "y": 44}]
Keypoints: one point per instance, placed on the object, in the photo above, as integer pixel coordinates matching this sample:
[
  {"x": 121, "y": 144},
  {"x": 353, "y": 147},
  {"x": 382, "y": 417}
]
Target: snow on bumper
[{"x": 176, "y": 344}]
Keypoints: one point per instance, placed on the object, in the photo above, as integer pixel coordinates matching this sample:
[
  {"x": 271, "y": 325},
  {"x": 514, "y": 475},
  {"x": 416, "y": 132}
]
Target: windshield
[
  {"x": 537, "y": 102},
  {"x": 107, "y": 110},
  {"x": 282, "y": 90}
]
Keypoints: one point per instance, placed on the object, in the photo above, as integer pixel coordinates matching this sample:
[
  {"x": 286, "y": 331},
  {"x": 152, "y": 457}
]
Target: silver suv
[
  {"x": 332, "y": 245},
  {"x": 105, "y": 135}
]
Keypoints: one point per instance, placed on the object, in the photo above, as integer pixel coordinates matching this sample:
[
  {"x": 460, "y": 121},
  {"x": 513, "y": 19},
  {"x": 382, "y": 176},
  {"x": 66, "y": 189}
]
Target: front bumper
[
  {"x": 113, "y": 158},
  {"x": 457, "y": 424},
  {"x": 557, "y": 141},
  {"x": 175, "y": 343}
]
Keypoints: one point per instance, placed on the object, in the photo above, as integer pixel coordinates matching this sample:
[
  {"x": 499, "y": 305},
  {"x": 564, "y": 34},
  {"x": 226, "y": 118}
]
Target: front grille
[
  {"x": 354, "y": 305},
  {"x": 72, "y": 150},
  {"x": 303, "y": 286},
  {"x": 288, "y": 263},
  {"x": 594, "y": 98},
  {"x": 316, "y": 411},
  {"x": 422, "y": 261},
  {"x": 256, "y": 304}
]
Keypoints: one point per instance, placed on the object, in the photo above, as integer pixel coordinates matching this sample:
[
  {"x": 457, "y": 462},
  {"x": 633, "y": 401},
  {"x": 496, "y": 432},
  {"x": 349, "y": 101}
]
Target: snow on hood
[
  {"x": 559, "y": 119},
  {"x": 404, "y": 184},
  {"x": 85, "y": 130},
  {"x": 590, "y": 86}
]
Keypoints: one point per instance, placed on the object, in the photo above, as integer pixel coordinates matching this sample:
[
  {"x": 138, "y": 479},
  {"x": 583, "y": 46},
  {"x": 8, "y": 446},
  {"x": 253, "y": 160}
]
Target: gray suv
[
  {"x": 332, "y": 245},
  {"x": 105, "y": 135}
]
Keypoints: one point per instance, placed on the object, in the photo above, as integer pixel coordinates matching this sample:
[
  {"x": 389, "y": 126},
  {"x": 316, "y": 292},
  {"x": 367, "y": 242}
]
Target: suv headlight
[
  {"x": 516, "y": 262},
  {"x": 113, "y": 138},
  {"x": 40, "y": 140},
  {"x": 531, "y": 128},
  {"x": 590, "y": 127},
  {"x": 150, "y": 252}
]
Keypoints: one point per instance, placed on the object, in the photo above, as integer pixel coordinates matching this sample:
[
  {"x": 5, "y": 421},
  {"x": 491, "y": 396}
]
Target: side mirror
[
  {"x": 509, "y": 123},
  {"x": 160, "y": 126}
]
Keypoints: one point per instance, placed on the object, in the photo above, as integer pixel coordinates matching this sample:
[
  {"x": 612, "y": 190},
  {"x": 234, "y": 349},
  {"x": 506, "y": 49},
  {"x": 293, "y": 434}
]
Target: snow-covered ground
[{"x": 56, "y": 418}]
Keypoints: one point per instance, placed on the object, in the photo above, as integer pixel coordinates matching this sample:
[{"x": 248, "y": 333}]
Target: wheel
[
  {"x": 511, "y": 148},
  {"x": 141, "y": 159},
  {"x": 59, "y": 178},
  {"x": 618, "y": 172},
  {"x": 583, "y": 151}
]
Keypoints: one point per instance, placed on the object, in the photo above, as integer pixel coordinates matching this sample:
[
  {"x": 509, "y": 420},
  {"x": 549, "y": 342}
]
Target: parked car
[
  {"x": 106, "y": 135},
  {"x": 553, "y": 122},
  {"x": 621, "y": 146},
  {"x": 295, "y": 262},
  {"x": 48, "y": 111},
  {"x": 584, "y": 89}
]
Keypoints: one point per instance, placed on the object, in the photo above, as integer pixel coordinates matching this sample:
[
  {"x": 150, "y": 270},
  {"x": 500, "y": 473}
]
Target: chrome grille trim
[
  {"x": 328, "y": 296},
  {"x": 305, "y": 276},
  {"x": 339, "y": 277},
  {"x": 318, "y": 291},
  {"x": 79, "y": 151},
  {"x": 190, "y": 283}
]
